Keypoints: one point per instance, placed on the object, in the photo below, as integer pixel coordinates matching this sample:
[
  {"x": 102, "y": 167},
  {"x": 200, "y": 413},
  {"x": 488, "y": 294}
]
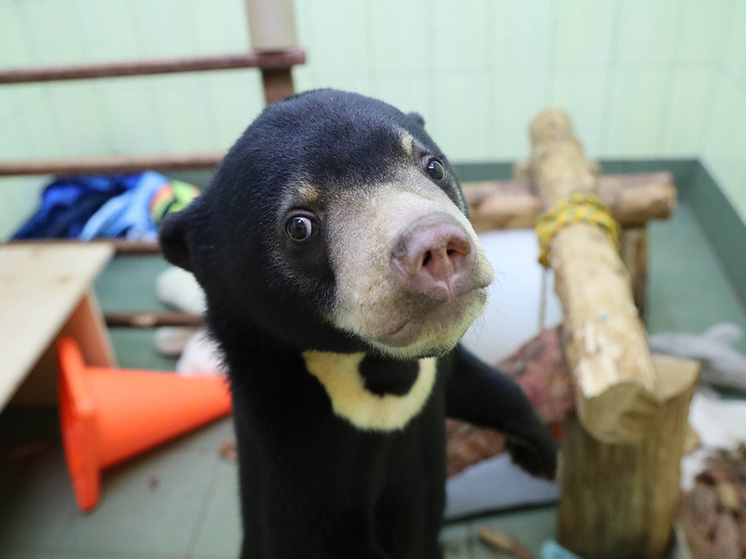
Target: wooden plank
[
  {"x": 86, "y": 325},
  {"x": 40, "y": 288}
]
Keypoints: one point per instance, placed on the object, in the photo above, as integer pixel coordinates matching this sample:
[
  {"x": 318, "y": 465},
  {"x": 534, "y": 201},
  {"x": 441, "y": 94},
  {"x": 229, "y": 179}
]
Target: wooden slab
[{"x": 41, "y": 286}]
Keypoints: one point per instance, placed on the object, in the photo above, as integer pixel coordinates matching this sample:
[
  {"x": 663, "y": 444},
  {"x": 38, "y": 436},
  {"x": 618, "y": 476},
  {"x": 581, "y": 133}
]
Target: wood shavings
[
  {"x": 229, "y": 452},
  {"x": 714, "y": 511},
  {"x": 502, "y": 541}
]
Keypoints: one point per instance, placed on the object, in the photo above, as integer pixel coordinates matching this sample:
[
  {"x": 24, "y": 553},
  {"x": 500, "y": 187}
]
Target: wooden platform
[{"x": 44, "y": 291}]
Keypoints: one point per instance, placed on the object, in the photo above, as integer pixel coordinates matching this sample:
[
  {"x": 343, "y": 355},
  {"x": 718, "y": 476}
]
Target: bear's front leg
[{"x": 486, "y": 397}]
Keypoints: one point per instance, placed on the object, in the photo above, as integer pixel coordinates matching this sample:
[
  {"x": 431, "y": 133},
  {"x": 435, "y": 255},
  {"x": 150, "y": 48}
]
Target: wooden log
[
  {"x": 619, "y": 501},
  {"x": 605, "y": 341},
  {"x": 515, "y": 204},
  {"x": 633, "y": 248},
  {"x": 263, "y": 60}
]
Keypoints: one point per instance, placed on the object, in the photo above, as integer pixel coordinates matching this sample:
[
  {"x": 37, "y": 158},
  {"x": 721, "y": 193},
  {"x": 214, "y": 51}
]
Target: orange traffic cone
[{"x": 109, "y": 415}]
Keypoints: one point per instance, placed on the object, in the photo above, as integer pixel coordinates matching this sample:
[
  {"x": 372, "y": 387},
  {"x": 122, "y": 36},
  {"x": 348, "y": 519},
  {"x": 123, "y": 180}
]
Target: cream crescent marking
[{"x": 340, "y": 376}]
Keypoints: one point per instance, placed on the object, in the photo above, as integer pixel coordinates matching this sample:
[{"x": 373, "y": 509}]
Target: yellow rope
[{"x": 578, "y": 208}]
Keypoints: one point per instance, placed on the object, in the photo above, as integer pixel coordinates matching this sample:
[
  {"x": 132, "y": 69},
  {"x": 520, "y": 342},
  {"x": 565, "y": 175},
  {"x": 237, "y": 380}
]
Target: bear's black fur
[{"x": 313, "y": 485}]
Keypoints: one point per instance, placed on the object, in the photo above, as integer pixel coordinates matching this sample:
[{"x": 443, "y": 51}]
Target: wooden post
[
  {"x": 619, "y": 501},
  {"x": 633, "y": 248},
  {"x": 605, "y": 341},
  {"x": 277, "y": 84},
  {"x": 272, "y": 28}
]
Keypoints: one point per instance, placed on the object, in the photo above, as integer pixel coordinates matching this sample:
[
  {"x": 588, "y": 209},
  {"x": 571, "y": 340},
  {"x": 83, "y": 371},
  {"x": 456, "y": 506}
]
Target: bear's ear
[
  {"x": 172, "y": 236},
  {"x": 417, "y": 117}
]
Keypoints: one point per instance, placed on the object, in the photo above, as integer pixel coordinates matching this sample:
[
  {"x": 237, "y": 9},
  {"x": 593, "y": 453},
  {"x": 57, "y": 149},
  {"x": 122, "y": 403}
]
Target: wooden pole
[
  {"x": 272, "y": 28},
  {"x": 277, "y": 85},
  {"x": 605, "y": 341},
  {"x": 620, "y": 501}
]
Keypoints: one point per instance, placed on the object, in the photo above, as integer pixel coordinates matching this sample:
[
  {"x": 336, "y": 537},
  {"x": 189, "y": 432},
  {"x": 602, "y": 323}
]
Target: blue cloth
[
  {"x": 127, "y": 214},
  {"x": 550, "y": 549},
  {"x": 96, "y": 206},
  {"x": 69, "y": 202}
]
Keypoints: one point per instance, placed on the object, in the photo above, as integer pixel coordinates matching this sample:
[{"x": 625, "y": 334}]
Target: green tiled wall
[{"x": 641, "y": 78}]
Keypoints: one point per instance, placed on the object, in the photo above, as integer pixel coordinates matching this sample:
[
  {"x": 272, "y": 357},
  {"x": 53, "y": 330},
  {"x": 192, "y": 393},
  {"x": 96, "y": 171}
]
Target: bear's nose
[{"x": 435, "y": 256}]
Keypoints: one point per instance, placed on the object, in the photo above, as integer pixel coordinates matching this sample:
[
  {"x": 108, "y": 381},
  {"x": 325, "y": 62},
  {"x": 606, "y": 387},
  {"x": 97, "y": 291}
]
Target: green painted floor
[{"x": 180, "y": 500}]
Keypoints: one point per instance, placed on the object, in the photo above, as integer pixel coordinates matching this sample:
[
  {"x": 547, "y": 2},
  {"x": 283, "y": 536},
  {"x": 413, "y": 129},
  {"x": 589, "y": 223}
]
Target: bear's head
[{"x": 335, "y": 224}]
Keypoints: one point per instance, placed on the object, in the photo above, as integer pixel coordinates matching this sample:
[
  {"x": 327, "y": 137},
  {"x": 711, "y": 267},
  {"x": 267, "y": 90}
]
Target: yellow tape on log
[{"x": 578, "y": 208}]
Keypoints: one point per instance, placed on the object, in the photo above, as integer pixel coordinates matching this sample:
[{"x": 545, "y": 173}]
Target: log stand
[{"x": 621, "y": 452}]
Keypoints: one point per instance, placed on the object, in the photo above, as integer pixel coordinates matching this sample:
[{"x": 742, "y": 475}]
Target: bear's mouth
[{"x": 442, "y": 323}]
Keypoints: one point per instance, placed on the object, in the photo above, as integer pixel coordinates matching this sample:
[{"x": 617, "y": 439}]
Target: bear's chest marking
[{"x": 340, "y": 376}]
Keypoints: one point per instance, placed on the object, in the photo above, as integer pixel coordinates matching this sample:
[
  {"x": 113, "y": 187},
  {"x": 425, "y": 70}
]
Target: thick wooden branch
[
  {"x": 605, "y": 340},
  {"x": 515, "y": 204}
]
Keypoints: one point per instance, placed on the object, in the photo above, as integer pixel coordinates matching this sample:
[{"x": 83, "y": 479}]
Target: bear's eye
[
  {"x": 299, "y": 228},
  {"x": 435, "y": 169}
]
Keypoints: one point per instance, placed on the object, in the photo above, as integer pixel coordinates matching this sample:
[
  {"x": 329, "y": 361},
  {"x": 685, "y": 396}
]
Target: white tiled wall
[
  {"x": 723, "y": 147},
  {"x": 641, "y": 78}
]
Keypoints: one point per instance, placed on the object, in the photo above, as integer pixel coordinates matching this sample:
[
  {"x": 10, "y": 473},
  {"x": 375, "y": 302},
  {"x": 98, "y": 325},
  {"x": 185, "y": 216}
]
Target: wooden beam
[
  {"x": 265, "y": 60},
  {"x": 515, "y": 204}
]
